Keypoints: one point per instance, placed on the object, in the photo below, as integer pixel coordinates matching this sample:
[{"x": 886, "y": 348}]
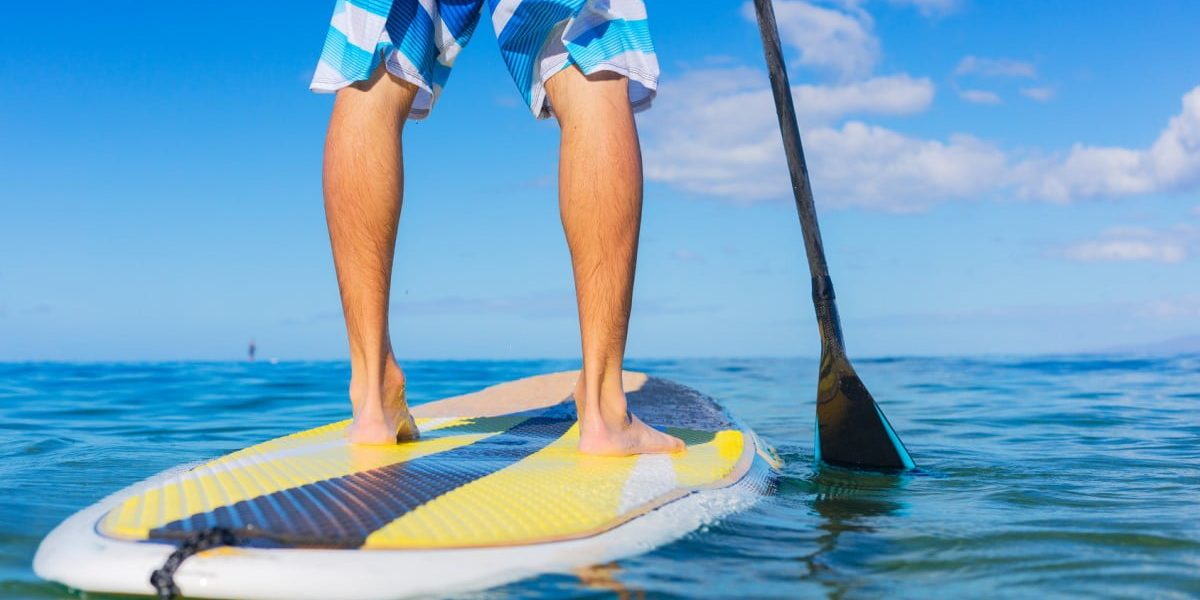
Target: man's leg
[
  {"x": 364, "y": 180},
  {"x": 600, "y": 200}
]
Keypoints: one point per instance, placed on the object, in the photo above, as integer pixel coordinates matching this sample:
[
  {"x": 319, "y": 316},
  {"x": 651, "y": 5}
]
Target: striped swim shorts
[{"x": 418, "y": 40}]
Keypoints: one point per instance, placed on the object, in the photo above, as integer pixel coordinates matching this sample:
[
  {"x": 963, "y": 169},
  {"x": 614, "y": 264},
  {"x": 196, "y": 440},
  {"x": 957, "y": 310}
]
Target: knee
[
  {"x": 383, "y": 95},
  {"x": 572, "y": 94}
]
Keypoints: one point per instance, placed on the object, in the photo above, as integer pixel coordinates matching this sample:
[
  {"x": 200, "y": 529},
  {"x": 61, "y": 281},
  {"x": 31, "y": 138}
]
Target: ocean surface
[{"x": 1039, "y": 477}]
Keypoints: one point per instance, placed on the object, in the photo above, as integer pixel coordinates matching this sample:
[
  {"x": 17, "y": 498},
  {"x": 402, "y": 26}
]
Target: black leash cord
[{"x": 163, "y": 579}]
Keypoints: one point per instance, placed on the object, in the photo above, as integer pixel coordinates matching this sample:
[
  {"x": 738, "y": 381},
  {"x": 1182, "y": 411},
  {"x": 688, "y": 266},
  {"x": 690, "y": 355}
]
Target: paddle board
[{"x": 494, "y": 491}]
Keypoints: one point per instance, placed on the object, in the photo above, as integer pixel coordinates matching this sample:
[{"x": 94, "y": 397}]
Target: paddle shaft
[{"x": 822, "y": 285}]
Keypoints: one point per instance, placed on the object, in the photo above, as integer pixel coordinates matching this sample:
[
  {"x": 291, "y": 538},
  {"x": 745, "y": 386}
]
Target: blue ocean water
[{"x": 1056, "y": 477}]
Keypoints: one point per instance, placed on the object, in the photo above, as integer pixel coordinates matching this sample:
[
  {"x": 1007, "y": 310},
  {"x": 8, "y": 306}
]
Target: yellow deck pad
[
  {"x": 468, "y": 482},
  {"x": 556, "y": 493},
  {"x": 284, "y": 463}
]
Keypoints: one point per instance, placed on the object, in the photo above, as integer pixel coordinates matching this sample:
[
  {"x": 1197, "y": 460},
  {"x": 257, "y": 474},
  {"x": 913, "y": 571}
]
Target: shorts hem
[
  {"x": 393, "y": 66},
  {"x": 646, "y": 78}
]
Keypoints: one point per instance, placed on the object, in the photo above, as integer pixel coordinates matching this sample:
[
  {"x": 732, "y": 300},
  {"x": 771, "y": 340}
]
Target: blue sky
[{"x": 999, "y": 177}]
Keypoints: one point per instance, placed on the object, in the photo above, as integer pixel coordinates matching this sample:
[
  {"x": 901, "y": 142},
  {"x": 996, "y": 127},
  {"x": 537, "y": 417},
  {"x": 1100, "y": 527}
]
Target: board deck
[{"x": 494, "y": 470}]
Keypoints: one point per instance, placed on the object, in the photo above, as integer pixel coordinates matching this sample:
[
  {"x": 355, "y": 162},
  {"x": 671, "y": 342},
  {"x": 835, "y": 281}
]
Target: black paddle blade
[{"x": 851, "y": 430}]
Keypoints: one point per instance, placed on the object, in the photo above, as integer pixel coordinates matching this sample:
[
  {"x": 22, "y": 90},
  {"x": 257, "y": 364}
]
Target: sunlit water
[{"x": 1039, "y": 477}]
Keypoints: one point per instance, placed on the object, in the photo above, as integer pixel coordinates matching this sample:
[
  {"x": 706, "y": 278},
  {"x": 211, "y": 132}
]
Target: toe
[
  {"x": 674, "y": 444},
  {"x": 659, "y": 442}
]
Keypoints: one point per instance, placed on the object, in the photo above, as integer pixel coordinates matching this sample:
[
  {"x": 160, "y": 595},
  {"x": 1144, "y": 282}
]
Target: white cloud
[
  {"x": 714, "y": 132},
  {"x": 1171, "y": 163},
  {"x": 994, "y": 67},
  {"x": 838, "y": 41},
  {"x": 1041, "y": 94},
  {"x": 710, "y": 98},
  {"x": 855, "y": 164},
  {"x": 870, "y": 166},
  {"x": 719, "y": 136},
  {"x": 930, "y": 8},
  {"x": 1126, "y": 250},
  {"x": 893, "y": 95},
  {"x": 979, "y": 96},
  {"x": 1129, "y": 244}
]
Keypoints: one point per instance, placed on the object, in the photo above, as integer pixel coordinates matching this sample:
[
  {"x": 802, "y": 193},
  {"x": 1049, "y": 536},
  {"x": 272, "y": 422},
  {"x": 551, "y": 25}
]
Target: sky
[{"x": 991, "y": 177}]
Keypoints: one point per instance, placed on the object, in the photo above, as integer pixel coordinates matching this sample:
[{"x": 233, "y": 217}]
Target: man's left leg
[{"x": 600, "y": 201}]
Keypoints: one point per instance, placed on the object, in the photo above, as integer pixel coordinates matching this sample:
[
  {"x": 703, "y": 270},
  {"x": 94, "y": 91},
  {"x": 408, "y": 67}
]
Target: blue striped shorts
[{"x": 418, "y": 40}]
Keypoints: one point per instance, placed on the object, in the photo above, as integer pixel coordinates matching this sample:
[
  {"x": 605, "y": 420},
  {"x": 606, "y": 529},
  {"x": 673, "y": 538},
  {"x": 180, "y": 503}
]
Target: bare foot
[
  {"x": 614, "y": 431},
  {"x": 381, "y": 416}
]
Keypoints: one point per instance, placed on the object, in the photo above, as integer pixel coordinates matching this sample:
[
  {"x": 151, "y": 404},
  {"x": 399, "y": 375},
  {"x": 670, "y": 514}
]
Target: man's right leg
[{"x": 364, "y": 181}]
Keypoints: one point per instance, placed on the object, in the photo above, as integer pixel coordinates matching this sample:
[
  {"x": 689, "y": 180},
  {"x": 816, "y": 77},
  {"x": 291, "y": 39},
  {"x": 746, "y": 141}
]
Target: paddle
[{"x": 851, "y": 429}]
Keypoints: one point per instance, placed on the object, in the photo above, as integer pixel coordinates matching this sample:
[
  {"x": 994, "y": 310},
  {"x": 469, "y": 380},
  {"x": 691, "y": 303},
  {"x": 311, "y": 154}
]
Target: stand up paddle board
[{"x": 494, "y": 491}]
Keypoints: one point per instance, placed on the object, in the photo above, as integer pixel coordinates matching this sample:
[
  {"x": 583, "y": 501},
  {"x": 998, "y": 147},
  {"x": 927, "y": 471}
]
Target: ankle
[
  {"x": 376, "y": 388},
  {"x": 606, "y": 408}
]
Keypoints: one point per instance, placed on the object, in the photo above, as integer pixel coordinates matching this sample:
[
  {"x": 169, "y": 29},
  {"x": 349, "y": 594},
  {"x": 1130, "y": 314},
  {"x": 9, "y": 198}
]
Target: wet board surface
[{"x": 493, "y": 470}]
